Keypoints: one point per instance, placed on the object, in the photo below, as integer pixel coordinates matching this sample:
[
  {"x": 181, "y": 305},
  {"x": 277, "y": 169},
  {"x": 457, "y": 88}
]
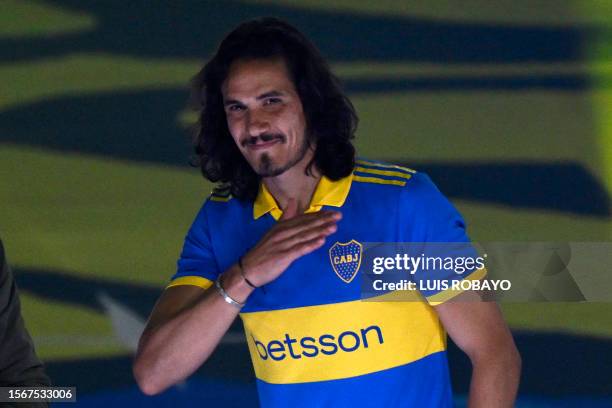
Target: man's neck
[{"x": 294, "y": 183}]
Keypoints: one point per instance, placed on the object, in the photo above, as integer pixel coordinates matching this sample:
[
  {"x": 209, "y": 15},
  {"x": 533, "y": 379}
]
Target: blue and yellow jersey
[{"x": 313, "y": 341}]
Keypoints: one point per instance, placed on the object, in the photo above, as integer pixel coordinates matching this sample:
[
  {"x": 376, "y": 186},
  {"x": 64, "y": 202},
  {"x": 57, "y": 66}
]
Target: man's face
[{"x": 265, "y": 115}]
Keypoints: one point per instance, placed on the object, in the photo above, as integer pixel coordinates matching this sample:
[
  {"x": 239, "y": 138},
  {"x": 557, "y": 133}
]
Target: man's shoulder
[
  {"x": 394, "y": 181},
  {"x": 221, "y": 203},
  {"x": 382, "y": 174},
  {"x": 379, "y": 175},
  {"x": 221, "y": 193}
]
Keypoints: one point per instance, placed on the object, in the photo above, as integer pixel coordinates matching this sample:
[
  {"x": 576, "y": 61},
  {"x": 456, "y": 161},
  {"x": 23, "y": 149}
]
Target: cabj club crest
[{"x": 346, "y": 259}]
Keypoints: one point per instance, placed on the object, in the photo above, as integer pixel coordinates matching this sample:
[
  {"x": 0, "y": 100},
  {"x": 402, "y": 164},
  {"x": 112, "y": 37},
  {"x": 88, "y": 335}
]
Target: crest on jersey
[{"x": 345, "y": 258}]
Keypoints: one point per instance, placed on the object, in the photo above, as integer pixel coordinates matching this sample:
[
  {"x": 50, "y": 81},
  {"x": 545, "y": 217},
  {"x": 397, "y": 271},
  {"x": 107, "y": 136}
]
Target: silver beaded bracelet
[{"x": 225, "y": 296}]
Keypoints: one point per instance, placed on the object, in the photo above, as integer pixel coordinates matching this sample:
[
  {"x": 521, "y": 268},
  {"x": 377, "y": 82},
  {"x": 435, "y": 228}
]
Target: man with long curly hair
[{"x": 279, "y": 242}]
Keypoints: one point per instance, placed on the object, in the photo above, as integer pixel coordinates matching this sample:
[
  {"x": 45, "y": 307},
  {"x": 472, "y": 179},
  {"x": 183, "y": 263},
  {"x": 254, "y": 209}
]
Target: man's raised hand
[{"x": 292, "y": 237}]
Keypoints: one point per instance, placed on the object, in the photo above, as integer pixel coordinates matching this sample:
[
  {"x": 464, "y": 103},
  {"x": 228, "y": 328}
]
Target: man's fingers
[
  {"x": 304, "y": 248},
  {"x": 283, "y": 235},
  {"x": 307, "y": 217},
  {"x": 290, "y": 210},
  {"x": 319, "y": 231},
  {"x": 301, "y": 222},
  {"x": 289, "y": 227}
]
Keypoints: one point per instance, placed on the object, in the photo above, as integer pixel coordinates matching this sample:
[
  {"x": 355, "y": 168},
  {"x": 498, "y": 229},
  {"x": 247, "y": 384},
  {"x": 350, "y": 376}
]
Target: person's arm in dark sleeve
[{"x": 19, "y": 365}]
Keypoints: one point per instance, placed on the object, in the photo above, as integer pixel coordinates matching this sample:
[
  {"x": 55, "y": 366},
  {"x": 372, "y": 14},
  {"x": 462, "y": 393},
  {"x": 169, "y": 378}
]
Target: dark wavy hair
[{"x": 331, "y": 120}]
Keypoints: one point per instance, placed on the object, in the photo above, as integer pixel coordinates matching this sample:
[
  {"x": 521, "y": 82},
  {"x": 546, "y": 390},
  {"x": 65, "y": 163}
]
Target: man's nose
[{"x": 257, "y": 123}]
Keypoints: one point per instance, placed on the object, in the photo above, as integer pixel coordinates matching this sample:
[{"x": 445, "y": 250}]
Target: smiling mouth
[{"x": 262, "y": 142}]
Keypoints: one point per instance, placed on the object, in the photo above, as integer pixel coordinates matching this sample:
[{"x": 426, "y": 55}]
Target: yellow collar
[{"x": 328, "y": 192}]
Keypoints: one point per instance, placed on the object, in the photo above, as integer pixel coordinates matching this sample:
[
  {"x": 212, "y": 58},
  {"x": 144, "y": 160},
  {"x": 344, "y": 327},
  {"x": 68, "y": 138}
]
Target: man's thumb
[{"x": 290, "y": 210}]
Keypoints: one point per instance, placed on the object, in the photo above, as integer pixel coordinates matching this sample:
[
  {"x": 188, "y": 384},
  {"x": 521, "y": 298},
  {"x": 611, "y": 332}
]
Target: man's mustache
[{"x": 264, "y": 137}]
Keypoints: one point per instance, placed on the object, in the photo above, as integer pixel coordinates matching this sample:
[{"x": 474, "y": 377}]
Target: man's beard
[{"x": 267, "y": 169}]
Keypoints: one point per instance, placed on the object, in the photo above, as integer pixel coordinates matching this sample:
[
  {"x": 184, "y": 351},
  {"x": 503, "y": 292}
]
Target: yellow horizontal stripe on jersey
[
  {"x": 221, "y": 199},
  {"x": 191, "y": 280},
  {"x": 377, "y": 180},
  {"x": 446, "y": 295},
  {"x": 368, "y": 337},
  {"x": 383, "y": 172},
  {"x": 385, "y": 166}
]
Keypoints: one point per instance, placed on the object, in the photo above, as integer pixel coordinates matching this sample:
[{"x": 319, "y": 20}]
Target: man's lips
[
  {"x": 262, "y": 142},
  {"x": 263, "y": 145}
]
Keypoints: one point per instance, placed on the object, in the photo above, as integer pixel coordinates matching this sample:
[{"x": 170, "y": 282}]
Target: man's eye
[
  {"x": 235, "y": 108},
  {"x": 272, "y": 101}
]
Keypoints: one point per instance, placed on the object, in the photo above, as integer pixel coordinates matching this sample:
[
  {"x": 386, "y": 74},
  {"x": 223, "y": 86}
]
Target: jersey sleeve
[
  {"x": 197, "y": 264},
  {"x": 438, "y": 236}
]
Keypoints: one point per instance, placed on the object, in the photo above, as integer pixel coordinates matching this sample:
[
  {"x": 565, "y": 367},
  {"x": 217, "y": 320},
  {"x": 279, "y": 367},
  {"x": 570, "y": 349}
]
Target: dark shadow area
[
  {"x": 560, "y": 186},
  {"x": 567, "y": 82},
  {"x": 193, "y": 29},
  {"x": 82, "y": 292},
  {"x": 228, "y": 362},
  {"x": 554, "y": 364},
  {"x": 142, "y": 126}
]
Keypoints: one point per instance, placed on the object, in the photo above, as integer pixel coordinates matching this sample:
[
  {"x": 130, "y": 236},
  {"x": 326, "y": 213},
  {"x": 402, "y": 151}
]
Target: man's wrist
[
  {"x": 243, "y": 274},
  {"x": 235, "y": 285}
]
